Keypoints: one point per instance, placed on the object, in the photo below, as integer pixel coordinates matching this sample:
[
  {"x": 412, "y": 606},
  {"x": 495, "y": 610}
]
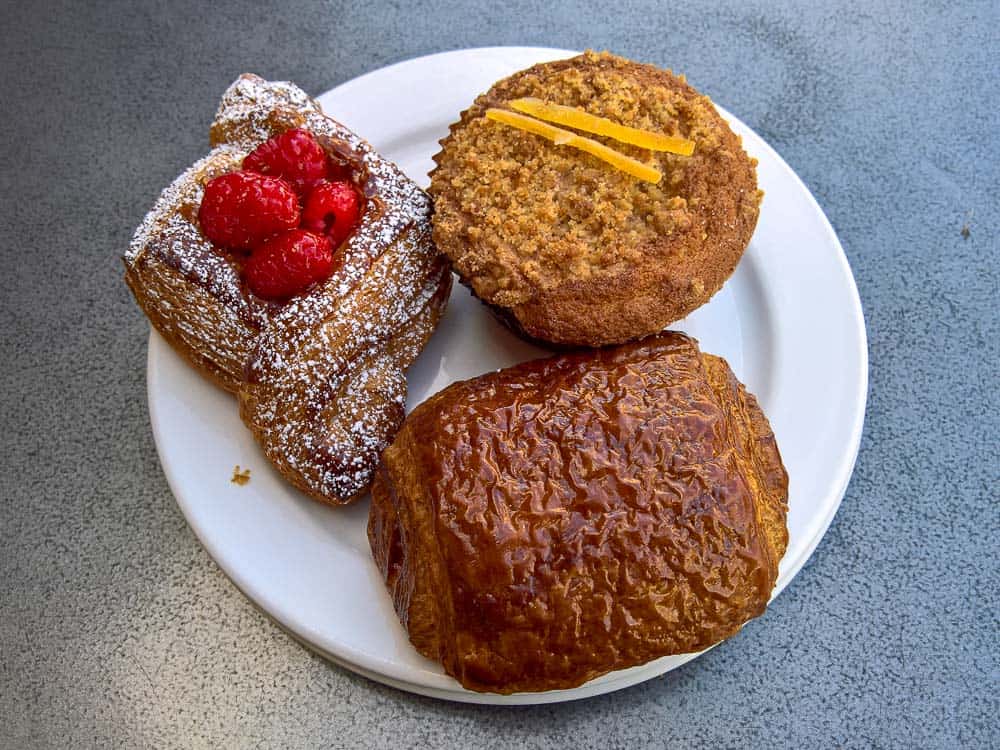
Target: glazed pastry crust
[
  {"x": 548, "y": 523},
  {"x": 573, "y": 250},
  {"x": 320, "y": 378}
]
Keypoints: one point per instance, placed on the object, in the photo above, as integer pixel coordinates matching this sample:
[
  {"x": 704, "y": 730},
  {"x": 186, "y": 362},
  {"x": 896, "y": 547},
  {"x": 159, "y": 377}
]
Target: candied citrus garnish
[
  {"x": 577, "y": 118},
  {"x": 562, "y": 137}
]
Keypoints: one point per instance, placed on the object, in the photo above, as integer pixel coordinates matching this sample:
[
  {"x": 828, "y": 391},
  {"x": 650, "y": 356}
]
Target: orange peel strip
[
  {"x": 580, "y": 120},
  {"x": 562, "y": 137}
]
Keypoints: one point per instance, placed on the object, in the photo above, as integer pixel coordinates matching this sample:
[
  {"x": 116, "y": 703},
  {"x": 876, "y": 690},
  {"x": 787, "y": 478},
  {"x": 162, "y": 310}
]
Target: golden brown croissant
[
  {"x": 547, "y": 523},
  {"x": 319, "y": 378}
]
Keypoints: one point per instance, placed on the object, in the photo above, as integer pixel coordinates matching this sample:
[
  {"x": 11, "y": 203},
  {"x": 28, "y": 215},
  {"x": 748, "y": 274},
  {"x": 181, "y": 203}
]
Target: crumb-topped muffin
[{"x": 566, "y": 247}]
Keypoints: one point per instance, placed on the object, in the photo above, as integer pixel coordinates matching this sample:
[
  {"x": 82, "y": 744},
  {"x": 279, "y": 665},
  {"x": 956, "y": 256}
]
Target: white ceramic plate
[{"x": 789, "y": 322}]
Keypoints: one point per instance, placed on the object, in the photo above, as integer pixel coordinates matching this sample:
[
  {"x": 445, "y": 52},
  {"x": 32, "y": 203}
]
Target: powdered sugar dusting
[
  {"x": 338, "y": 369},
  {"x": 323, "y": 389}
]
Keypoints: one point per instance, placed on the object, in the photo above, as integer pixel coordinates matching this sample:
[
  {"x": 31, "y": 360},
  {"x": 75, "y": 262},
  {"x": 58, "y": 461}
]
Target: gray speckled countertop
[{"x": 118, "y": 629}]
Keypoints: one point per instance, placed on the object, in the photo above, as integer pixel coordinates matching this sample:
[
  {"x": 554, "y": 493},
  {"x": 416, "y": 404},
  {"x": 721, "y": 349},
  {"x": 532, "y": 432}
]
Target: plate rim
[{"x": 388, "y": 672}]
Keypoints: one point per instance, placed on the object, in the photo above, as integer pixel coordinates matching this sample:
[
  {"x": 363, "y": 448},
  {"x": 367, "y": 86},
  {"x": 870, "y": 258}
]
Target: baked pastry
[
  {"x": 567, "y": 248},
  {"x": 544, "y": 524},
  {"x": 317, "y": 365}
]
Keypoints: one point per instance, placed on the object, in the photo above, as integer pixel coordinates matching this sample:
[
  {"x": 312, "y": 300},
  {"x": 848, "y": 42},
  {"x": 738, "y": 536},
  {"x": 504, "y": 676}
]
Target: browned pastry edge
[
  {"x": 678, "y": 273},
  {"x": 403, "y": 537},
  {"x": 154, "y": 283},
  {"x": 767, "y": 464}
]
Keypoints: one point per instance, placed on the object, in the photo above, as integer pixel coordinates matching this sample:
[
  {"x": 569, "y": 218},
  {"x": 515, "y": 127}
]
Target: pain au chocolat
[
  {"x": 542, "y": 525},
  {"x": 319, "y": 375}
]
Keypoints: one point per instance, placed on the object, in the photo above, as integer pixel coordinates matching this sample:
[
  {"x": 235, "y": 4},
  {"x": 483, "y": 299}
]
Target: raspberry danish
[{"x": 293, "y": 265}]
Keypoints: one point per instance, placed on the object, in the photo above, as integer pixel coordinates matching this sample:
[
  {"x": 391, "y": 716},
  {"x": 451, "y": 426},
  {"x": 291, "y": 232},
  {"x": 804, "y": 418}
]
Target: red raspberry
[
  {"x": 242, "y": 209},
  {"x": 285, "y": 265},
  {"x": 332, "y": 208},
  {"x": 295, "y": 156}
]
